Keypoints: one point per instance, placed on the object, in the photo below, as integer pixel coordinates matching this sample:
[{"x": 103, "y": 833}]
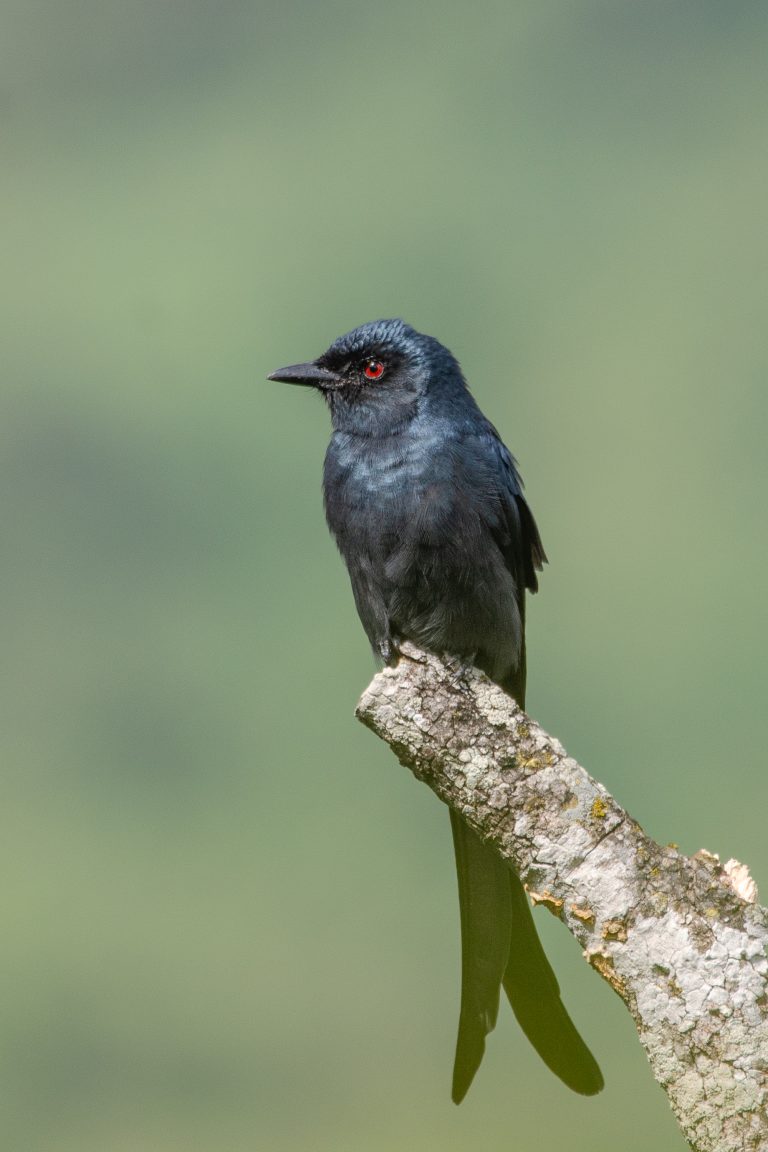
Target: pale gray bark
[{"x": 670, "y": 934}]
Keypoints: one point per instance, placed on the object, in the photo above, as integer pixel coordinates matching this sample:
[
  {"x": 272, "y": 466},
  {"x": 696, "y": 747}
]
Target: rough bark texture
[{"x": 669, "y": 933}]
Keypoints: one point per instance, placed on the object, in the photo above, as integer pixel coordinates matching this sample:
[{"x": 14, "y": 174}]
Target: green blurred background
[{"x": 229, "y": 917}]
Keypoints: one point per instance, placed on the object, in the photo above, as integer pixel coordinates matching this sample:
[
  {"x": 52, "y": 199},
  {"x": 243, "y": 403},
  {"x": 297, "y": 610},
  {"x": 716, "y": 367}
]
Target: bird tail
[
  {"x": 486, "y": 924},
  {"x": 532, "y": 990},
  {"x": 500, "y": 946}
]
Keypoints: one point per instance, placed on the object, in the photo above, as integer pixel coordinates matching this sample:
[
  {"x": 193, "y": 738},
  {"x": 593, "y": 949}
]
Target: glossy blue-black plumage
[
  {"x": 427, "y": 508},
  {"x": 426, "y": 504}
]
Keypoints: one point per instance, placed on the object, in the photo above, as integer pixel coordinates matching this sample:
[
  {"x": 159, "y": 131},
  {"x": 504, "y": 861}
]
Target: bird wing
[{"x": 509, "y": 518}]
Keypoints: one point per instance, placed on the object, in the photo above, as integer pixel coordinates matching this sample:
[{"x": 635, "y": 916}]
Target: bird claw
[
  {"x": 460, "y": 668},
  {"x": 389, "y": 651}
]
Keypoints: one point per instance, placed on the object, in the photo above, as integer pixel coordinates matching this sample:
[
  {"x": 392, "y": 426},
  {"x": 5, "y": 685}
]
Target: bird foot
[
  {"x": 389, "y": 651},
  {"x": 460, "y": 668}
]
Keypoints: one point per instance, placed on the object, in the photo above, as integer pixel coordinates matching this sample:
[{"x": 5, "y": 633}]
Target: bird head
[{"x": 375, "y": 376}]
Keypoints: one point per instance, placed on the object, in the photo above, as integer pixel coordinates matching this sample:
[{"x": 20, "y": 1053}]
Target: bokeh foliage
[{"x": 229, "y": 917}]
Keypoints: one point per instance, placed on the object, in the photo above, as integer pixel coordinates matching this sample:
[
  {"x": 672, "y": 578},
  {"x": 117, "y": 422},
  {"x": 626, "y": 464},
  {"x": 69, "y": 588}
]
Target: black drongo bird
[{"x": 427, "y": 508}]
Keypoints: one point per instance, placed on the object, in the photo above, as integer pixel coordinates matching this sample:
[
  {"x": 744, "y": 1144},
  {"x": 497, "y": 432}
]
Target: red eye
[{"x": 374, "y": 370}]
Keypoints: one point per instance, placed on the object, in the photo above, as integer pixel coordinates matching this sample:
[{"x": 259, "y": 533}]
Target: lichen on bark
[{"x": 672, "y": 935}]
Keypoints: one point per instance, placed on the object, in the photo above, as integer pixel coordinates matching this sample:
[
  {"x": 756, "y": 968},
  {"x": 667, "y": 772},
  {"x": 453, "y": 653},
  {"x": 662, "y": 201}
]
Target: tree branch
[{"x": 670, "y": 934}]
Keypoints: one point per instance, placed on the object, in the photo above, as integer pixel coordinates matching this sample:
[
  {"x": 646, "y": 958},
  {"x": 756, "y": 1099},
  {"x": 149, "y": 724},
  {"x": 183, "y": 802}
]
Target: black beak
[{"x": 311, "y": 375}]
